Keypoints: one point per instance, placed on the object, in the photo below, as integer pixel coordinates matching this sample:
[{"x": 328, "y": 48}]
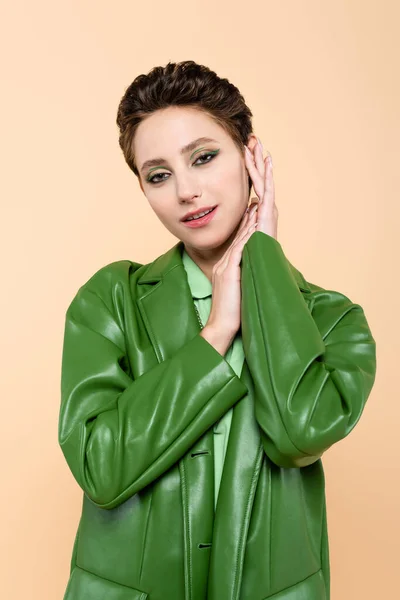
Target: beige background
[{"x": 322, "y": 79}]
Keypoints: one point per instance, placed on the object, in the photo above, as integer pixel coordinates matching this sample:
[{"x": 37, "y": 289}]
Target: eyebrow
[{"x": 154, "y": 162}]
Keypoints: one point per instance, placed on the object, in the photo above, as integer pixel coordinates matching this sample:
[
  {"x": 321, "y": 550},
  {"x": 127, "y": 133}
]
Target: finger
[
  {"x": 243, "y": 239},
  {"x": 252, "y": 223},
  {"x": 251, "y": 214},
  {"x": 241, "y": 234},
  {"x": 236, "y": 248},
  {"x": 254, "y": 201},
  {"x": 254, "y": 205},
  {"x": 259, "y": 160},
  {"x": 244, "y": 220},
  {"x": 254, "y": 214},
  {"x": 248, "y": 216},
  {"x": 247, "y": 221},
  {"x": 256, "y": 176},
  {"x": 269, "y": 183}
]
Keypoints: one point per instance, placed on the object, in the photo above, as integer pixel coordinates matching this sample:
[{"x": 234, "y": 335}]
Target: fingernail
[{"x": 261, "y": 146}]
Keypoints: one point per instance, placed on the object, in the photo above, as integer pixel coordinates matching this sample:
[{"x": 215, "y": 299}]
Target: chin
[{"x": 217, "y": 240}]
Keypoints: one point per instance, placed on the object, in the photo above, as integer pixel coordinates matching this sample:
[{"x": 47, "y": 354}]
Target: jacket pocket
[
  {"x": 83, "y": 585},
  {"x": 311, "y": 588}
]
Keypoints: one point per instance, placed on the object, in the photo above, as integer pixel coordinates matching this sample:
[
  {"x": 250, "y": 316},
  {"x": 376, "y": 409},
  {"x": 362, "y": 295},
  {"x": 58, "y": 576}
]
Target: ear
[{"x": 252, "y": 142}]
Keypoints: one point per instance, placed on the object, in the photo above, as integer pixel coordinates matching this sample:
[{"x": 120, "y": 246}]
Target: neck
[{"x": 208, "y": 257}]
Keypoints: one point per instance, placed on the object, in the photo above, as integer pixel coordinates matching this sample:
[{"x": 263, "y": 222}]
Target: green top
[{"x": 201, "y": 289}]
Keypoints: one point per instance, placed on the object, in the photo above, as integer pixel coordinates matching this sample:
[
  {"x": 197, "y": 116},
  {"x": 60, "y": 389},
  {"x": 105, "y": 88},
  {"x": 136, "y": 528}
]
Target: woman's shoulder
[
  {"x": 107, "y": 283},
  {"x": 113, "y": 272},
  {"x": 110, "y": 274}
]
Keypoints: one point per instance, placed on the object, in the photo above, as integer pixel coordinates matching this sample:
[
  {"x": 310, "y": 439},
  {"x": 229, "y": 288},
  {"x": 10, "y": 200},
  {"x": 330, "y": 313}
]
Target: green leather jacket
[{"x": 140, "y": 393}]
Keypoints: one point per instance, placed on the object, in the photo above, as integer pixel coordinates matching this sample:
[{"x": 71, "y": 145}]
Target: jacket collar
[
  {"x": 199, "y": 283},
  {"x": 160, "y": 267}
]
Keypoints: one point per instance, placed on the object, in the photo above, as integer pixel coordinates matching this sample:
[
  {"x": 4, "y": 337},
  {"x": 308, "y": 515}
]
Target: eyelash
[{"x": 213, "y": 154}]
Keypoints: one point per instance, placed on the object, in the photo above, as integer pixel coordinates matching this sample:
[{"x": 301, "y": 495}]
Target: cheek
[
  {"x": 166, "y": 217},
  {"x": 224, "y": 182},
  {"x": 233, "y": 182},
  {"x": 159, "y": 206}
]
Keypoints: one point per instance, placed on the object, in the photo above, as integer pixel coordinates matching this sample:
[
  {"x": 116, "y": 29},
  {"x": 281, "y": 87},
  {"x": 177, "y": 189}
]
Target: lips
[
  {"x": 194, "y": 214},
  {"x": 201, "y": 221},
  {"x": 197, "y": 215}
]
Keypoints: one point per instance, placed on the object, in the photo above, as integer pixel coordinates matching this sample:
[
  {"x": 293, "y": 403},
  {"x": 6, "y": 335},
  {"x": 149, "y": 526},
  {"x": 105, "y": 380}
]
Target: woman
[{"x": 200, "y": 390}]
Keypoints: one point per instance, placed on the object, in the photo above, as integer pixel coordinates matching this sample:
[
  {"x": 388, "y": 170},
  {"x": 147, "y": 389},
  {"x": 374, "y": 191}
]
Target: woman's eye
[
  {"x": 202, "y": 156},
  {"x": 212, "y": 154},
  {"x": 154, "y": 180}
]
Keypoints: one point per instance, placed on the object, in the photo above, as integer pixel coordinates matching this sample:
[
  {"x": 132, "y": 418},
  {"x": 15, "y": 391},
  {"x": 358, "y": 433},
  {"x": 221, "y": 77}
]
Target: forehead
[{"x": 169, "y": 129}]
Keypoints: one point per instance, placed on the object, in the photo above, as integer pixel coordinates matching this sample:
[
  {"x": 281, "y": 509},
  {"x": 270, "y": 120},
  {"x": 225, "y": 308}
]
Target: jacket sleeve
[
  {"x": 119, "y": 434},
  {"x": 312, "y": 357}
]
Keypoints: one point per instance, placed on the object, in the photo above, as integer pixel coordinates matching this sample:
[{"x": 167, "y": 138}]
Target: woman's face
[{"x": 208, "y": 174}]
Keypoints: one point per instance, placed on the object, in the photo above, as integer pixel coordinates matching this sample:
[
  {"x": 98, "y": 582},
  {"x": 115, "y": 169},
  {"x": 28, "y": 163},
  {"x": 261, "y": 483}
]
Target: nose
[{"x": 187, "y": 187}]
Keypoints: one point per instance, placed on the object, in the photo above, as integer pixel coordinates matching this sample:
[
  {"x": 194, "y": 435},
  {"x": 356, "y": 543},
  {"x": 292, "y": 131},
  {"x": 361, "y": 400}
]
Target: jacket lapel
[
  {"x": 235, "y": 499},
  {"x": 166, "y": 304}
]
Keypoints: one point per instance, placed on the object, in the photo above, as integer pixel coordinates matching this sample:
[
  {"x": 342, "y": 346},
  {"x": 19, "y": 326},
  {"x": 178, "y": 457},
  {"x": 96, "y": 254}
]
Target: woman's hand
[
  {"x": 260, "y": 171},
  {"x": 225, "y": 316}
]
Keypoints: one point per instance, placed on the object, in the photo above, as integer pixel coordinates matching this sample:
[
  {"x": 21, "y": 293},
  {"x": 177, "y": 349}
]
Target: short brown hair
[{"x": 182, "y": 84}]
